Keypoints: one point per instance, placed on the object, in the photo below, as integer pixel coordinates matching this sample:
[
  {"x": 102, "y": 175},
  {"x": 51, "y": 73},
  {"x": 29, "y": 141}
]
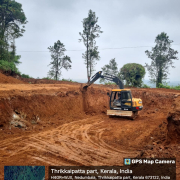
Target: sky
[{"x": 126, "y": 24}]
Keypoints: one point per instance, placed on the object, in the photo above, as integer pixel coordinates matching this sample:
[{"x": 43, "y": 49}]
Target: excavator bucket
[
  {"x": 130, "y": 114},
  {"x": 85, "y": 87}
]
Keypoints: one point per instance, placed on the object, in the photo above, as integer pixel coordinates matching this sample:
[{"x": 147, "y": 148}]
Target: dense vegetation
[{"x": 12, "y": 21}]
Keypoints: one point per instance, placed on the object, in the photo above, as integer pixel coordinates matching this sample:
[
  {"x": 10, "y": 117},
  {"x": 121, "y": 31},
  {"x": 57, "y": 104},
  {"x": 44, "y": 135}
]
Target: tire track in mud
[{"x": 74, "y": 143}]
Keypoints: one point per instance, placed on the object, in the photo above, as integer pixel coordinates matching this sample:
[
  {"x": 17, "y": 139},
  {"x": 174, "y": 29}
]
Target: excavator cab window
[
  {"x": 122, "y": 100},
  {"x": 113, "y": 95},
  {"x": 126, "y": 100},
  {"x": 126, "y": 95},
  {"x": 115, "y": 100}
]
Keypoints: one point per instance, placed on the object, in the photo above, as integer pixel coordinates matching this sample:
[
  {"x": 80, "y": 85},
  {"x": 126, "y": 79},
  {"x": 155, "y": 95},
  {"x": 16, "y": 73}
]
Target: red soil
[
  {"x": 59, "y": 124},
  {"x": 9, "y": 80}
]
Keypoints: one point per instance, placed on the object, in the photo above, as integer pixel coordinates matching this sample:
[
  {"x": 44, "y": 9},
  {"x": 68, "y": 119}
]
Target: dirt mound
[{"x": 9, "y": 80}]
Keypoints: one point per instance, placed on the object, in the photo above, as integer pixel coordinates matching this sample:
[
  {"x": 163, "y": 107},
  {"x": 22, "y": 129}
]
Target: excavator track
[
  {"x": 131, "y": 114},
  {"x": 134, "y": 115}
]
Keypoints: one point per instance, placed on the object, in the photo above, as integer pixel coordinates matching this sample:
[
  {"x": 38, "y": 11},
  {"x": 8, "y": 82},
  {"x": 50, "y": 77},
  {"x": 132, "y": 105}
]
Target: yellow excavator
[{"x": 121, "y": 101}]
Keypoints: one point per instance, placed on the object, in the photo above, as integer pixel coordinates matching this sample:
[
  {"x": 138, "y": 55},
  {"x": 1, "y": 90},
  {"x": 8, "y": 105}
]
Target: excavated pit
[
  {"x": 66, "y": 125},
  {"x": 59, "y": 107}
]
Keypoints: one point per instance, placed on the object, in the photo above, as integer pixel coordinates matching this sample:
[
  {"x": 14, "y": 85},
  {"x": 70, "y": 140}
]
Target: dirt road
[{"x": 82, "y": 142}]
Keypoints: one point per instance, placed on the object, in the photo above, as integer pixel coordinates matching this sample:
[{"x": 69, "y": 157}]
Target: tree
[
  {"x": 110, "y": 68},
  {"x": 133, "y": 74},
  {"x": 59, "y": 61},
  {"x": 93, "y": 56},
  {"x": 161, "y": 55},
  {"x": 12, "y": 21},
  {"x": 90, "y": 33}
]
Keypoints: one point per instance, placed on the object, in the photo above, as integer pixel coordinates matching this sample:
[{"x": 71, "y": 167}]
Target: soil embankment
[
  {"x": 174, "y": 122},
  {"x": 9, "y": 80}
]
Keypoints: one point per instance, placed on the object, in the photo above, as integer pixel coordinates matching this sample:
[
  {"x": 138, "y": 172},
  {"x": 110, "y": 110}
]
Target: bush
[
  {"x": 166, "y": 86},
  {"x": 25, "y": 76},
  {"x": 145, "y": 86},
  {"x": 177, "y": 87},
  {"x": 8, "y": 66}
]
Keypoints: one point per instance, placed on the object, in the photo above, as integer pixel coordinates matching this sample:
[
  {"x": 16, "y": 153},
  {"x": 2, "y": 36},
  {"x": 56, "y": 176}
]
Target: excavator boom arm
[{"x": 108, "y": 77}]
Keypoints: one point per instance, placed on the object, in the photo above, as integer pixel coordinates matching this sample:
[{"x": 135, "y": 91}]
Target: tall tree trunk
[
  {"x": 87, "y": 60},
  {"x": 159, "y": 78},
  {"x": 56, "y": 75},
  {"x": 157, "y": 81},
  {"x": 57, "y": 67},
  {"x": 90, "y": 65},
  {"x": 160, "y": 74}
]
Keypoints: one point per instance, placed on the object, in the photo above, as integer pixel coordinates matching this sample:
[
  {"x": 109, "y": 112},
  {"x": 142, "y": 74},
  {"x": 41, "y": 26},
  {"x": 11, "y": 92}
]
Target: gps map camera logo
[{"x": 127, "y": 161}]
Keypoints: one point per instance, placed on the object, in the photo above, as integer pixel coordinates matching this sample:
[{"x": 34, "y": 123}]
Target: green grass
[{"x": 166, "y": 86}]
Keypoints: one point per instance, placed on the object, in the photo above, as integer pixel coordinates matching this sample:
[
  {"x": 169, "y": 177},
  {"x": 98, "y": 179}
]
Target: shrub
[
  {"x": 145, "y": 86},
  {"x": 8, "y": 66},
  {"x": 166, "y": 86},
  {"x": 25, "y": 76}
]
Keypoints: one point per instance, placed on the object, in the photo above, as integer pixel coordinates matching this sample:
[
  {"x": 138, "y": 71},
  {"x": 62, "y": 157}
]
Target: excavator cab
[
  {"x": 121, "y": 101},
  {"x": 124, "y": 104}
]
